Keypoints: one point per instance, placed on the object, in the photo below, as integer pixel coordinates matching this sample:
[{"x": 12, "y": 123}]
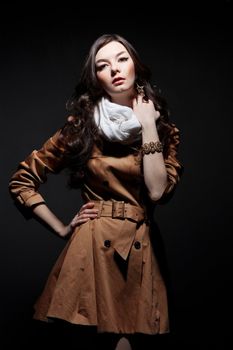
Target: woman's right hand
[{"x": 85, "y": 213}]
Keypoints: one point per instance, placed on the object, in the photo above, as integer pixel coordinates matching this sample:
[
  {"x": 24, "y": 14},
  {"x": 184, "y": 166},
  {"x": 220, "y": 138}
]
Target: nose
[{"x": 114, "y": 70}]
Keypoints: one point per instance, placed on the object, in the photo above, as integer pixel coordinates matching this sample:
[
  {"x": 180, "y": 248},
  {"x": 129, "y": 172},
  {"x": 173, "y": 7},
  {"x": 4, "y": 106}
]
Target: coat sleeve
[
  {"x": 32, "y": 171},
  {"x": 173, "y": 165}
]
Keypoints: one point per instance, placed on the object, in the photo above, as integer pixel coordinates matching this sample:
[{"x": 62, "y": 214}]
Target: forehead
[{"x": 110, "y": 50}]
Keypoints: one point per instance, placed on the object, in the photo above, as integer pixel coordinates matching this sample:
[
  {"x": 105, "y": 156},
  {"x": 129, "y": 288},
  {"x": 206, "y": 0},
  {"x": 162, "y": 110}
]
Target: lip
[{"x": 117, "y": 80}]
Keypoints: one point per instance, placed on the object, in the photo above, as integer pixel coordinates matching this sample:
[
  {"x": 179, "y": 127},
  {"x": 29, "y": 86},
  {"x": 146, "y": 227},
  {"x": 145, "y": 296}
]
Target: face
[{"x": 115, "y": 69}]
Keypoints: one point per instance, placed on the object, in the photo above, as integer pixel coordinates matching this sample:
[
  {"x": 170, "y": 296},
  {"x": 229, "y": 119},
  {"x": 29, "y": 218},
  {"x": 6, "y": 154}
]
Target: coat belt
[
  {"x": 130, "y": 216},
  {"x": 120, "y": 210}
]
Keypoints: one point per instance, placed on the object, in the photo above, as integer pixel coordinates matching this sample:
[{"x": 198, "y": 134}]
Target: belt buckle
[{"x": 118, "y": 209}]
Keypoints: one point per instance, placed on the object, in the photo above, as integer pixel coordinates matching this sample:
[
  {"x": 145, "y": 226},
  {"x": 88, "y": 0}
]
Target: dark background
[{"x": 191, "y": 57}]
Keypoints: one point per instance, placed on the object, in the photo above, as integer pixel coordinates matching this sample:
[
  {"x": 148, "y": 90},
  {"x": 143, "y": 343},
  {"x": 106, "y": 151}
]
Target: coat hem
[{"x": 51, "y": 319}]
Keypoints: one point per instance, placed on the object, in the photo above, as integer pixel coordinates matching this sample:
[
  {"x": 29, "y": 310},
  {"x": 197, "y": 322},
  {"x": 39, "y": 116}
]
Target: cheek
[
  {"x": 102, "y": 79},
  {"x": 131, "y": 72}
]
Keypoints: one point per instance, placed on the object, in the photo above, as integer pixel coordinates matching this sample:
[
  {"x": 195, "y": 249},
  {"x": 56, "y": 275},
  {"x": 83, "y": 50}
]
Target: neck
[{"x": 125, "y": 99}]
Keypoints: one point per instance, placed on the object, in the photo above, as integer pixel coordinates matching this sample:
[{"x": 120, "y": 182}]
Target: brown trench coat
[{"x": 107, "y": 275}]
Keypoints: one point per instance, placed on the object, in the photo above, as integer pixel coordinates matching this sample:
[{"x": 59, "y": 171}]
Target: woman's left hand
[{"x": 145, "y": 111}]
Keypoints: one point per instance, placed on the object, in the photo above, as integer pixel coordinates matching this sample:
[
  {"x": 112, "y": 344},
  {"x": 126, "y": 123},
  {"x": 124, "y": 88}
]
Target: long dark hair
[{"x": 80, "y": 132}]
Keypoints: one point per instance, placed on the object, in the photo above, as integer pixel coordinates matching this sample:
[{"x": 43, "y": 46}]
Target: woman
[{"x": 120, "y": 148}]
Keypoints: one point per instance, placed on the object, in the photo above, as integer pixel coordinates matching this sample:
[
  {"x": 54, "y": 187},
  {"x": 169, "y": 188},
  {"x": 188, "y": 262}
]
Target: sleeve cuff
[{"x": 30, "y": 198}]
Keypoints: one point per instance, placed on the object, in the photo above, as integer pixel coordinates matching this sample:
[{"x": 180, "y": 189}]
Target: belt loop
[
  {"x": 100, "y": 208},
  {"x": 118, "y": 209}
]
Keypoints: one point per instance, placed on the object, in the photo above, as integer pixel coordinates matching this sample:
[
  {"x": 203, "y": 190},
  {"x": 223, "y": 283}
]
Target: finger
[
  {"x": 137, "y": 100},
  {"x": 88, "y": 205},
  {"x": 78, "y": 222},
  {"x": 88, "y": 211},
  {"x": 134, "y": 102},
  {"x": 86, "y": 214},
  {"x": 80, "y": 218},
  {"x": 89, "y": 215}
]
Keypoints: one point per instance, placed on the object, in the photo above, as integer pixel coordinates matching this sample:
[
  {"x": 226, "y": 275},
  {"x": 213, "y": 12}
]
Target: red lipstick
[{"x": 118, "y": 79}]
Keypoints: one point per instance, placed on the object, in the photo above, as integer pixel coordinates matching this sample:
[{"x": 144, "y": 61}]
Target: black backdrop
[{"x": 191, "y": 60}]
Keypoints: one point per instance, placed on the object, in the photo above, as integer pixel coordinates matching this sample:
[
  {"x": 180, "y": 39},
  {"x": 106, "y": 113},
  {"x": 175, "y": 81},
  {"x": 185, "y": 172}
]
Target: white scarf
[{"x": 117, "y": 123}]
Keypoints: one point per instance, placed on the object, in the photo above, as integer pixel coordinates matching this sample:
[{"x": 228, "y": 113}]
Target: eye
[
  {"x": 101, "y": 67},
  {"x": 123, "y": 59}
]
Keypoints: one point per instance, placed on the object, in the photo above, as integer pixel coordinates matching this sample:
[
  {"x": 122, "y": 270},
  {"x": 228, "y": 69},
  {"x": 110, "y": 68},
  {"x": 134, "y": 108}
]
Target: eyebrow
[{"x": 105, "y": 59}]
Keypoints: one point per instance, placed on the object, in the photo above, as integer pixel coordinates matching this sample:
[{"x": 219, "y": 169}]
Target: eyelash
[{"x": 121, "y": 59}]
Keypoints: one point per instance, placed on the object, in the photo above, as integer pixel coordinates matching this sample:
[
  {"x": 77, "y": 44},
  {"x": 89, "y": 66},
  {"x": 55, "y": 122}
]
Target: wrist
[
  {"x": 151, "y": 147},
  {"x": 148, "y": 125},
  {"x": 62, "y": 230},
  {"x": 149, "y": 132}
]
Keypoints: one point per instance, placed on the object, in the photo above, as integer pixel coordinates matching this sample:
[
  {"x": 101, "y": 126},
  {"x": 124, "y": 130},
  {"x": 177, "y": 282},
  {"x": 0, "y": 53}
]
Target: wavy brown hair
[{"x": 80, "y": 131}]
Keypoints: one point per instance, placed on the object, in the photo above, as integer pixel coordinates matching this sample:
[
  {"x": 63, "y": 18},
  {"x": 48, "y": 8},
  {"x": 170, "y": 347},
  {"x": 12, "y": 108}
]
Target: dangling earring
[{"x": 140, "y": 89}]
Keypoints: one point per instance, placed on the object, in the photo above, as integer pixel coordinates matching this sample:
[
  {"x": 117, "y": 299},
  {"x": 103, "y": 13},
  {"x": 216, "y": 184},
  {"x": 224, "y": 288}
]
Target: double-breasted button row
[
  {"x": 137, "y": 245},
  {"x": 107, "y": 243}
]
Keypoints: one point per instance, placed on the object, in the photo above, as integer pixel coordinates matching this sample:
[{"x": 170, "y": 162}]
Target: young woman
[{"x": 121, "y": 150}]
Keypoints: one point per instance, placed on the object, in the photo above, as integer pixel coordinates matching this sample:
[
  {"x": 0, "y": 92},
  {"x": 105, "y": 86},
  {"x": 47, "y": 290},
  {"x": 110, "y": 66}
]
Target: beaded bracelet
[{"x": 152, "y": 147}]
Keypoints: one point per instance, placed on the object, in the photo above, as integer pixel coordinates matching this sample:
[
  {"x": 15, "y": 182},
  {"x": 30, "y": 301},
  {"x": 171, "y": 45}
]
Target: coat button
[
  {"x": 137, "y": 245},
  {"x": 107, "y": 243}
]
